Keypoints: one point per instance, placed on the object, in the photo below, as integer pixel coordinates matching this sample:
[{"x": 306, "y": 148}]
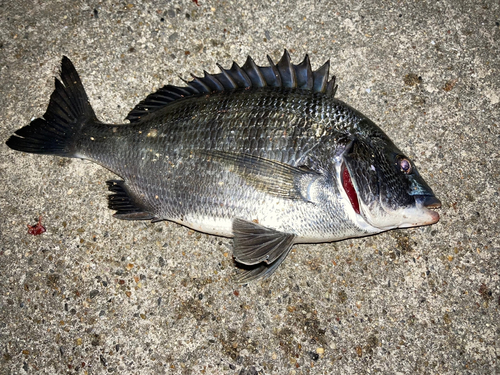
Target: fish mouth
[{"x": 429, "y": 203}]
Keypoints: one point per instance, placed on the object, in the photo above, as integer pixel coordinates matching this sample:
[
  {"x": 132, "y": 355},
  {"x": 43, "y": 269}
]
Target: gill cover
[{"x": 390, "y": 194}]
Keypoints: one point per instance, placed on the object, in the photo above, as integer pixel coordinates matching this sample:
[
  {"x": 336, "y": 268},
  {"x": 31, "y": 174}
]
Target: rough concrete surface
[{"x": 96, "y": 295}]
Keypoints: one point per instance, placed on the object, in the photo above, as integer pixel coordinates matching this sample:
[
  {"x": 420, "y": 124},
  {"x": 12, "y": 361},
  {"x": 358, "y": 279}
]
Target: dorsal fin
[
  {"x": 304, "y": 74},
  {"x": 284, "y": 74},
  {"x": 287, "y": 71}
]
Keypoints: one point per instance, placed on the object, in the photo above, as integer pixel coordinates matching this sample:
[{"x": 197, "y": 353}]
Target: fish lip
[
  {"x": 429, "y": 203},
  {"x": 434, "y": 217}
]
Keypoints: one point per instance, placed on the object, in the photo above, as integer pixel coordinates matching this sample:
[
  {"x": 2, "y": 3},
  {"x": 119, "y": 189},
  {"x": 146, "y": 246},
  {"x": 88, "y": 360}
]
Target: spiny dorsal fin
[
  {"x": 284, "y": 74},
  {"x": 287, "y": 71}
]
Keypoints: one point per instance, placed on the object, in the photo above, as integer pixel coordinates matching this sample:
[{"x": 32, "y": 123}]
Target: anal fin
[
  {"x": 124, "y": 203},
  {"x": 258, "y": 250}
]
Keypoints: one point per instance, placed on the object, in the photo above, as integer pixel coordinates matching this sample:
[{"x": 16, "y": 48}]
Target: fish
[{"x": 266, "y": 155}]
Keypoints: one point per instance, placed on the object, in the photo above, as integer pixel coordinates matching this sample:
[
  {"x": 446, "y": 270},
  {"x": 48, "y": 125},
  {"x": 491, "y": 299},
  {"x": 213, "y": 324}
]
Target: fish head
[{"x": 384, "y": 186}]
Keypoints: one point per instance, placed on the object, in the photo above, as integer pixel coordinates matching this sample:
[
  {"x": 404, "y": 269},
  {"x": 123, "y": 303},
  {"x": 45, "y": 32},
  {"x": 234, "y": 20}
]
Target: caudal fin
[{"x": 56, "y": 133}]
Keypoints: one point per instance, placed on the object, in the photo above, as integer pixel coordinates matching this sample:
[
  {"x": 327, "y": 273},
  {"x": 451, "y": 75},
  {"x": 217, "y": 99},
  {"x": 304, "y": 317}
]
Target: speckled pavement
[{"x": 95, "y": 295}]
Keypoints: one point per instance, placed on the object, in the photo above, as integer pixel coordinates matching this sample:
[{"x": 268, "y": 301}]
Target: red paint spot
[
  {"x": 196, "y": 2},
  {"x": 36, "y": 229},
  {"x": 349, "y": 189}
]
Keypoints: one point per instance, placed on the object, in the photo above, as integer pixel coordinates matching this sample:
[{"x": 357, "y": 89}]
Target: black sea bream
[{"x": 265, "y": 155}]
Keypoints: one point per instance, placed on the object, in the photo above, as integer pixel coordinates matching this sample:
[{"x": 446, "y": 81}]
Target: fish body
[{"x": 266, "y": 155}]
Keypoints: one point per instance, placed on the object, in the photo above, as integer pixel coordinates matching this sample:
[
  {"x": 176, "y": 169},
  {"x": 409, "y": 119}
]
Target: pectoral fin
[
  {"x": 258, "y": 250},
  {"x": 269, "y": 176}
]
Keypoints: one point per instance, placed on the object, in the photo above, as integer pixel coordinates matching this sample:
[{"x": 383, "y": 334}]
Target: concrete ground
[{"x": 96, "y": 295}]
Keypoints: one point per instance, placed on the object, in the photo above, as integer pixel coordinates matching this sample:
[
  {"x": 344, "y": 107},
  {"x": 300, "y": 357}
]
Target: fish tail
[{"x": 57, "y": 132}]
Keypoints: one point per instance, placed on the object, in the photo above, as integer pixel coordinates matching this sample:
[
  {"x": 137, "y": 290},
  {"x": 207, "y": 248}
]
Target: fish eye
[{"x": 404, "y": 165}]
